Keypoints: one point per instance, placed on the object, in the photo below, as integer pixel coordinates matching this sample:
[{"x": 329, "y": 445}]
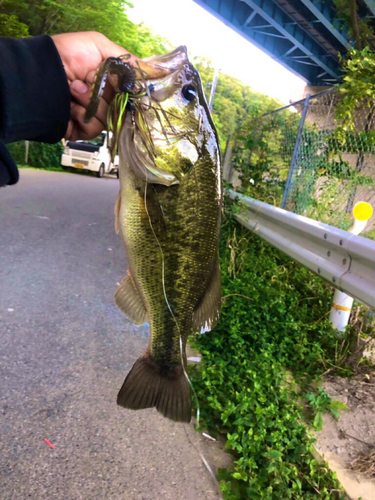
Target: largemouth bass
[{"x": 168, "y": 215}]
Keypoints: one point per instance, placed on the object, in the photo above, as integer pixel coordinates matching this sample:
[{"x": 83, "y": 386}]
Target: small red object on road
[{"x": 49, "y": 444}]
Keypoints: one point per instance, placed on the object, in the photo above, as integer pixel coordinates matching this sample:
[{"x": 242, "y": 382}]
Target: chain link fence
[{"x": 300, "y": 159}]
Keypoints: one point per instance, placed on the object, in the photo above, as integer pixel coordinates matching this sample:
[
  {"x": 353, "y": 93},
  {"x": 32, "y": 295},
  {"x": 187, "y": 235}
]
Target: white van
[{"x": 90, "y": 155}]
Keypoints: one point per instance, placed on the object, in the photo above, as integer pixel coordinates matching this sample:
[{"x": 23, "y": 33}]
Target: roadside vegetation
[
  {"x": 259, "y": 381},
  {"x": 272, "y": 344}
]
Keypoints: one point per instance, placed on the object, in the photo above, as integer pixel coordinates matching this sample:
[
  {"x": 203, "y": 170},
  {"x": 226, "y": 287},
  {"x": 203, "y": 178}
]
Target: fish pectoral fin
[
  {"x": 117, "y": 213},
  {"x": 149, "y": 384},
  {"x": 128, "y": 300},
  {"x": 207, "y": 312}
]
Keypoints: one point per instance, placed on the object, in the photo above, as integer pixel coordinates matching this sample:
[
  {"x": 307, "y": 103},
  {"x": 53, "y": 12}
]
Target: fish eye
[{"x": 189, "y": 92}]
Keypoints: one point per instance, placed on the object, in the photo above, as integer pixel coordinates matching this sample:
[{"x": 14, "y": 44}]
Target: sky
[{"x": 183, "y": 22}]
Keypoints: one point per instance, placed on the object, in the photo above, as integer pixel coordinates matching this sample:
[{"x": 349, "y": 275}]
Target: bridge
[{"x": 305, "y": 36}]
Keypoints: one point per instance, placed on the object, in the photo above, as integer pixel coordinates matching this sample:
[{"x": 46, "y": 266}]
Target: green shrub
[
  {"x": 10, "y": 26},
  {"x": 44, "y": 155},
  {"x": 41, "y": 155},
  {"x": 17, "y": 150}
]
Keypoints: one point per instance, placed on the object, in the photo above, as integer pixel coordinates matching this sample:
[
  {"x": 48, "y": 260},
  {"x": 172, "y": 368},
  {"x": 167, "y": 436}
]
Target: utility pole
[{"x": 27, "y": 144}]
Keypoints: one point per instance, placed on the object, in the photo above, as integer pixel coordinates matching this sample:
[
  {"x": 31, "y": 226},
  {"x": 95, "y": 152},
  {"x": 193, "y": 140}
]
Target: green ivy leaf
[{"x": 318, "y": 422}]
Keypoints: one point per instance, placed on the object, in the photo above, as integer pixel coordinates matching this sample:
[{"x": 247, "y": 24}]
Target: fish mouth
[
  {"x": 156, "y": 127},
  {"x": 151, "y": 70},
  {"x": 168, "y": 62},
  {"x": 148, "y": 131}
]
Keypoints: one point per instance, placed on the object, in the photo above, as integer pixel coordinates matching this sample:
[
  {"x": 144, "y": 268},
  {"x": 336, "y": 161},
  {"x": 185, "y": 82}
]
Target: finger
[
  {"x": 80, "y": 90},
  {"x": 82, "y": 94},
  {"x": 69, "y": 131},
  {"x": 74, "y": 131},
  {"x": 90, "y": 77},
  {"x": 82, "y": 130}
]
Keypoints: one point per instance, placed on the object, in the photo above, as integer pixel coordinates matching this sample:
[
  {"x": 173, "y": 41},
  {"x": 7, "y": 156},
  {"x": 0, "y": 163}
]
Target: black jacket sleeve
[{"x": 34, "y": 96}]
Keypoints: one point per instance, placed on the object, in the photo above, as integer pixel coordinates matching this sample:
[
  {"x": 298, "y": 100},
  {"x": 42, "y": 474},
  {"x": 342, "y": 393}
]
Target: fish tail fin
[{"x": 148, "y": 385}]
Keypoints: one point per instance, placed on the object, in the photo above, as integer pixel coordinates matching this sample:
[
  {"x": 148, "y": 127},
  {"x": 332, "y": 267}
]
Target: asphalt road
[{"x": 65, "y": 350}]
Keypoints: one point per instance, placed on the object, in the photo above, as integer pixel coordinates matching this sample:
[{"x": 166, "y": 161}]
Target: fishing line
[
  {"x": 169, "y": 306},
  {"x": 202, "y": 457},
  {"x": 205, "y": 463},
  {"x": 121, "y": 106}
]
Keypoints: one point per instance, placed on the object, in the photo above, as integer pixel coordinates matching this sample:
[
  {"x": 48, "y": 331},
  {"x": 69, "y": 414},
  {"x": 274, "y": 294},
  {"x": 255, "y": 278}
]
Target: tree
[
  {"x": 233, "y": 103},
  {"x": 59, "y": 16},
  {"x": 359, "y": 27},
  {"x": 357, "y": 88},
  {"x": 11, "y": 27}
]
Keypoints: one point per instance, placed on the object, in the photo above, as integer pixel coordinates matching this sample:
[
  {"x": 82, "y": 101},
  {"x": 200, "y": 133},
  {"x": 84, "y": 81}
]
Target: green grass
[{"x": 49, "y": 169}]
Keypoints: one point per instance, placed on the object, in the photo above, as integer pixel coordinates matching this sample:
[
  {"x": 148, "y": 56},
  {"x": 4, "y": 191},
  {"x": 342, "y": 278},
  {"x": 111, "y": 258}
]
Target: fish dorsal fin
[
  {"x": 207, "y": 312},
  {"x": 117, "y": 213},
  {"x": 128, "y": 300}
]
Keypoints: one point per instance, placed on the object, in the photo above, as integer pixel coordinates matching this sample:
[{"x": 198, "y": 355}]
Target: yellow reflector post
[{"x": 362, "y": 211}]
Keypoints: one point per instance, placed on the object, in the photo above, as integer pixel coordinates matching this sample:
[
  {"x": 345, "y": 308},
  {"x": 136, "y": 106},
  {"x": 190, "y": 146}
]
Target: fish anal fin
[
  {"x": 151, "y": 385},
  {"x": 128, "y": 300},
  {"x": 207, "y": 312},
  {"x": 117, "y": 213}
]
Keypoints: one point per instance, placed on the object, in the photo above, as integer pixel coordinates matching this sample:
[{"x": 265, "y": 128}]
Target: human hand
[{"x": 81, "y": 54}]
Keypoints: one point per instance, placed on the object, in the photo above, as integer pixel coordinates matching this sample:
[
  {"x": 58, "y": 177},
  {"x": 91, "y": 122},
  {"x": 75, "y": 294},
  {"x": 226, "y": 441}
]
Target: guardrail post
[
  {"x": 342, "y": 303},
  {"x": 288, "y": 184}
]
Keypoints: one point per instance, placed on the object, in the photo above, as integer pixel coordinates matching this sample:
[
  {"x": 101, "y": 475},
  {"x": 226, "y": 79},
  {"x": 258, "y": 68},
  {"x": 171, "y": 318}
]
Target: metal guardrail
[{"x": 341, "y": 258}]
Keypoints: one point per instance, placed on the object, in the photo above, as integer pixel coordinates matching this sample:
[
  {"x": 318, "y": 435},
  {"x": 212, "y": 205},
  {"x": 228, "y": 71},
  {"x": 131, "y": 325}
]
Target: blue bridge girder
[
  {"x": 371, "y": 5},
  {"x": 305, "y": 36}
]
